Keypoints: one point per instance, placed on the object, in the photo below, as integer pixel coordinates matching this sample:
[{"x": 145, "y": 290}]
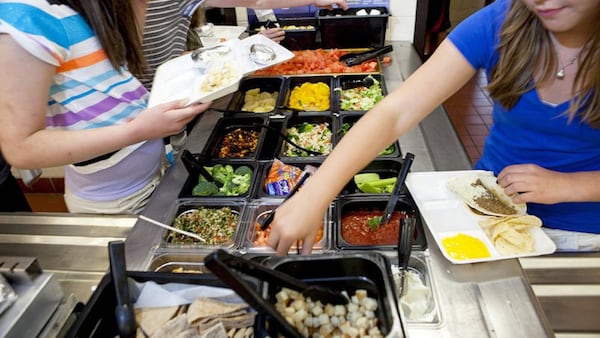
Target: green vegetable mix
[{"x": 233, "y": 182}]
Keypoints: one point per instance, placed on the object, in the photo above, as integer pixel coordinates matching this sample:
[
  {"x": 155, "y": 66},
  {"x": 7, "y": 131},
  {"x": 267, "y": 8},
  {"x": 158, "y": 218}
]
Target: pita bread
[
  {"x": 203, "y": 308},
  {"x": 482, "y": 193},
  {"x": 153, "y": 318},
  {"x": 172, "y": 328}
]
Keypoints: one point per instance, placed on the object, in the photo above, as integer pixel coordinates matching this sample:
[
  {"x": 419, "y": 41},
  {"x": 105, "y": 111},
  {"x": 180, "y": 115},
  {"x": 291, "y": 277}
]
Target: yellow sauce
[{"x": 463, "y": 247}]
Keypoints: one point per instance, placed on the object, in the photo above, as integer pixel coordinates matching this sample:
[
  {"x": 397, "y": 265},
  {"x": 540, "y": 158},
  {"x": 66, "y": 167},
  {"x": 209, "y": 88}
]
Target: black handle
[
  {"x": 389, "y": 208},
  {"x": 124, "y": 314},
  {"x": 219, "y": 262},
  {"x": 357, "y": 59},
  {"x": 195, "y": 169},
  {"x": 269, "y": 219}
]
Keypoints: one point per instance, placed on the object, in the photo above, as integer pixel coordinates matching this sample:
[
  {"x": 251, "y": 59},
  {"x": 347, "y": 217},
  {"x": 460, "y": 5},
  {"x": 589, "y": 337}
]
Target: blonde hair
[{"x": 526, "y": 49}]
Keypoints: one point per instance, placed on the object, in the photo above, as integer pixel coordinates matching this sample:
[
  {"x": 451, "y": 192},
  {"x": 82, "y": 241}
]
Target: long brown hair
[
  {"x": 525, "y": 47},
  {"x": 115, "y": 25}
]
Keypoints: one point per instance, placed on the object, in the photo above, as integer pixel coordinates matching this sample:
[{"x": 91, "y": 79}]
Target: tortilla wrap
[
  {"x": 152, "y": 319},
  {"x": 482, "y": 193}
]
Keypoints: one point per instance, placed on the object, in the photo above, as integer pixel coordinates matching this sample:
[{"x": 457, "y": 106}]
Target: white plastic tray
[
  {"x": 446, "y": 215},
  {"x": 178, "y": 79}
]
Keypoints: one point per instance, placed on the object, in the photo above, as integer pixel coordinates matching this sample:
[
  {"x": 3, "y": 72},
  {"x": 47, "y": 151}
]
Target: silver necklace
[{"x": 561, "y": 72}]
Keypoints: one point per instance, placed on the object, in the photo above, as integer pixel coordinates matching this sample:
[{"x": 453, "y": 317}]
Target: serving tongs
[
  {"x": 407, "y": 226},
  {"x": 124, "y": 314},
  {"x": 391, "y": 205},
  {"x": 367, "y": 82},
  {"x": 353, "y": 59},
  {"x": 229, "y": 269},
  {"x": 195, "y": 168},
  {"x": 265, "y": 222}
]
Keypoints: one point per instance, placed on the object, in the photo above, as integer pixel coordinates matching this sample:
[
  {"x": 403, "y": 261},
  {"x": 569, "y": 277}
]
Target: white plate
[
  {"x": 222, "y": 34},
  {"x": 179, "y": 79},
  {"x": 446, "y": 215}
]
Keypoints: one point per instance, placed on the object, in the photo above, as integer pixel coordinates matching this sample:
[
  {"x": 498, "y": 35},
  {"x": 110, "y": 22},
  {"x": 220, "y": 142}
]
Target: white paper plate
[
  {"x": 179, "y": 79},
  {"x": 446, "y": 215}
]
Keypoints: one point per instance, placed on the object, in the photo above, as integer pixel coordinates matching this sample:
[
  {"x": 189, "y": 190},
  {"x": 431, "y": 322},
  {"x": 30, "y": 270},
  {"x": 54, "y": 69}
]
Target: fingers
[
  {"x": 307, "y": 245},
  {"x": 275, "y": 34}
]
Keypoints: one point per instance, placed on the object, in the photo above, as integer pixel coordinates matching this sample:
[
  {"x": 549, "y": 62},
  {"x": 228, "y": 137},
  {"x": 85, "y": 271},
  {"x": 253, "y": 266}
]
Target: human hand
[
  {"x": 167, "y": 118},
  {"x": 532, "y": 183},
  {"x": 276, "y": 34},
  {"x": 329, "y": 4},
  {"x": 296, "y": 219}
]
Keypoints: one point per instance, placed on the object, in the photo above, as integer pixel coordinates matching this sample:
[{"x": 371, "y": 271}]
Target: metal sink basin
[{"x": 73, "y": 247}]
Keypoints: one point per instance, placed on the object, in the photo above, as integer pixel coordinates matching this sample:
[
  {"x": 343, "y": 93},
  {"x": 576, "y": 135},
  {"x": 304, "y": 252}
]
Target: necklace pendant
[{"x": 560, "y": 74}]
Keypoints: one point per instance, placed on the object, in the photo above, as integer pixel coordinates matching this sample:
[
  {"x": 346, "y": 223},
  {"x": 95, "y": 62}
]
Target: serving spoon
[{"x": 168, "y": 227}]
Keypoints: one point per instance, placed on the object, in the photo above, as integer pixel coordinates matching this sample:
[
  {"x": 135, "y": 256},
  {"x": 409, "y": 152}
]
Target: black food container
[
  {"x": 225, "y": 237},
  {"x": 385, "y": 168},
  {"x": 307, "y": 125},
  {"x": 297, "y": 81},
  {"x": 300, "y": 33},
  {"x": 190, "y": 190},
  {"x": 374, "y": 237},
  {"x": 352, "y": 83},
  {"x": 238, "y": 138},
  {"x": 369, "y": 271},
  {"x": 97, "y": 318},
  {"x": 347, "y": 120},
  {"x": 264, "y": 85},
  {"x": 349, "y": 29}
]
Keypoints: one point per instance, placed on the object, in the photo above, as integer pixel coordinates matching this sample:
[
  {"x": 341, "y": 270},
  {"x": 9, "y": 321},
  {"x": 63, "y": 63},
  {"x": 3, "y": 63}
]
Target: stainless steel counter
[{"x": 477, "y": 300}]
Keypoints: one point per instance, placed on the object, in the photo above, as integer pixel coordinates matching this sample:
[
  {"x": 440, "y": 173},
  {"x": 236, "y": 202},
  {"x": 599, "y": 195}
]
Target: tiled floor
[{"x": 470, "y": 111}]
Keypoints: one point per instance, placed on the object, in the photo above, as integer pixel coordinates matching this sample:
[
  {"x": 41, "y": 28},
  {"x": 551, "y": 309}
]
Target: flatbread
[
  {"x": 482, "y": 193},
  {"x": 153, "y": 318},
  {"x": 203, "y": 308},
  {"x": 172, "y": 328}
]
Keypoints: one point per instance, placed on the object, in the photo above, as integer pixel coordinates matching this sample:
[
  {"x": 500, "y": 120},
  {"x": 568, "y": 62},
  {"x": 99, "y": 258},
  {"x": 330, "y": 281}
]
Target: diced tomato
[{"x": 386, "y": 59}]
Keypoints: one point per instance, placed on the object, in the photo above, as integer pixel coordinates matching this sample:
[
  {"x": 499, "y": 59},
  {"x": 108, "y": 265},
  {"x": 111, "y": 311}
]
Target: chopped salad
[
  {"x": 312, "y": 136},
  {"x": 361, "y": 98}
]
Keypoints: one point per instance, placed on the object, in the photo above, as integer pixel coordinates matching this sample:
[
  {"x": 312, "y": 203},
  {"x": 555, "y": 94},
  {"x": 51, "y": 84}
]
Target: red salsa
[{"x": 355, "y": 228}]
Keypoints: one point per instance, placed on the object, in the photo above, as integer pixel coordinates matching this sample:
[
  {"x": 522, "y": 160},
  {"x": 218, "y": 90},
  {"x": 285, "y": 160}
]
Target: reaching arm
[
  {"x": 299, "y": 218},
  {"x": 26, "y": 143}
]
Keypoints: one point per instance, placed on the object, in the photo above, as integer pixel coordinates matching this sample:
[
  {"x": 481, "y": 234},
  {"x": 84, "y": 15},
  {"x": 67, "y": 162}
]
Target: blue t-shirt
[{"x": 532, "y": 131}]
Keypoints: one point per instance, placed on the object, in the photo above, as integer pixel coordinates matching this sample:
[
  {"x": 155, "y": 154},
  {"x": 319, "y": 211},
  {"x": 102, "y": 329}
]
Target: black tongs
[
  {"x": 353, "y": 59},
  {"x": 229, "y": 268},
  {"x": 195, "y": 168}
]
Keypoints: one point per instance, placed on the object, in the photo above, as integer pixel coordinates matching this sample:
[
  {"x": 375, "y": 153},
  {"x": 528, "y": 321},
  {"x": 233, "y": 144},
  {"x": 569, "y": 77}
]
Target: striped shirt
[
  {"x": 86, "y": 92},
  {"x": 165, "y": 32}
]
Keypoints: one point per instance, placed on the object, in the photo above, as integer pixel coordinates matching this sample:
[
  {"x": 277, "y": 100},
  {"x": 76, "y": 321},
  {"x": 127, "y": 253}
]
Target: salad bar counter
[{"x": 438, "y": 298}]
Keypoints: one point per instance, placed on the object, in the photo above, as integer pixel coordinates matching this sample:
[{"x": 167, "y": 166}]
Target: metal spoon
[
  {"x": 168, "y": 227},
  {"x": 261, "y": 54}
]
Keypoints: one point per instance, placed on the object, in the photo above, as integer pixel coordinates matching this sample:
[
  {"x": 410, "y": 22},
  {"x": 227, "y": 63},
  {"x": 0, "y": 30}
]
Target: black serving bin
[
  {"x": 227, "y": 124},
  {"x": 300, "y": 33},
  {"x": 191, "y": 181},
  {"x": 265, "y": 84},
  {"x": 405, "y": 206},
  {"x": 297, "y": 81},
  {"x": 97, "y": 318},
  {"x": 385, "y": 168},
  {"x": 346, "y": 29},
  {"x": 350, "y": 79},
  {"x": 296, "y": 120},
  {"x": 351, "y": 118},
  {"x": 348, "y": 272}
]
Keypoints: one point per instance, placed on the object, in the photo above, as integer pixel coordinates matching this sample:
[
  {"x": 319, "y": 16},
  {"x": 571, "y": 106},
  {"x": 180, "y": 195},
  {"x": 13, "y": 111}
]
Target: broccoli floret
[
  {"x": 205, "y": 189},
  {"x": 222, "y": 173},
  {"x": 229, "y": 188},
  {"x": 243, "y": 170},
  {"x": 305, "y": 127}
]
